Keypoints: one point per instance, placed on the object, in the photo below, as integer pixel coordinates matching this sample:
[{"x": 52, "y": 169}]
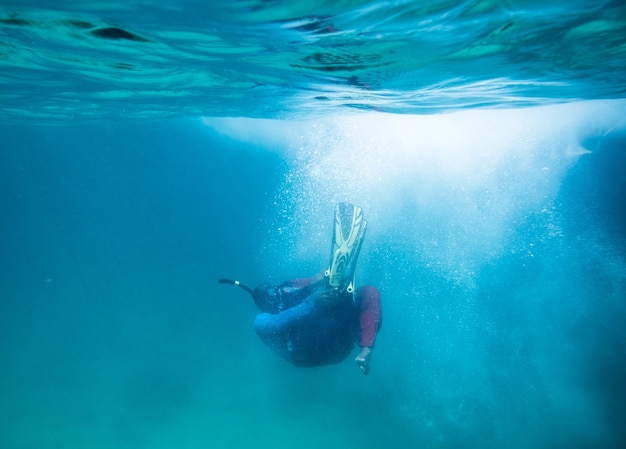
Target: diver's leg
[{"x": 276, "y": 330}]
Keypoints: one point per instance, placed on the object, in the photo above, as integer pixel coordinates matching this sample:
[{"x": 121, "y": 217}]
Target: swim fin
[{"x": 348, "y": 233}]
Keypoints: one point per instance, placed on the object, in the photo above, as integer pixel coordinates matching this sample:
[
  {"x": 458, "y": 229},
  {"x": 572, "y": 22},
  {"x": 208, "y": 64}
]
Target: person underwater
[{"x": 318, "y": 320}]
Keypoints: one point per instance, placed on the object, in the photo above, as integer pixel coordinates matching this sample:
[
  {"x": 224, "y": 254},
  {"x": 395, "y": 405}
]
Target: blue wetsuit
[{"x": 306, "y": 333}]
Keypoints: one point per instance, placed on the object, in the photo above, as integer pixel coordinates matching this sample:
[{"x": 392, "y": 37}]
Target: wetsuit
[{"x": 297, "y": 326}]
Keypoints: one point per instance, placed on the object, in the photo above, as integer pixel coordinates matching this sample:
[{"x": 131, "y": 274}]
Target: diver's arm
[
  {"x": 370, "y": 320},
  {"x": 295, "y": 291},
  {"x": 312, "y": 282}
]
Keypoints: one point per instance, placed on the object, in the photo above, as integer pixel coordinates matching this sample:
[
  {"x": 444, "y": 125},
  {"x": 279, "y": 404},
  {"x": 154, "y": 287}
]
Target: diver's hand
[{"x": 363, "y": 359}]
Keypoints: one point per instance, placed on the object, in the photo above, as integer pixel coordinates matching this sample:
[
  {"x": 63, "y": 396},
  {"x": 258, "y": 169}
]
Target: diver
[
  {"x": 318, "y": 320},
  {"x": 309, "y": 325}
]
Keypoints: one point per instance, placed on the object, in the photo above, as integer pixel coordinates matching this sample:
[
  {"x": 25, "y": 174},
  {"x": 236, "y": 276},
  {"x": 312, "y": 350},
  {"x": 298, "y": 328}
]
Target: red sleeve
[
  {"x": 371, "y": 314},
  {"x": 312, "y": 281},
  {"x": 298, "y": 283}
]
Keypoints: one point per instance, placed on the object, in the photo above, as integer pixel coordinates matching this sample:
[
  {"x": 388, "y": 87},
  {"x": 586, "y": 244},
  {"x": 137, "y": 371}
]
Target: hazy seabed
[{"x": 142, "y": 159}]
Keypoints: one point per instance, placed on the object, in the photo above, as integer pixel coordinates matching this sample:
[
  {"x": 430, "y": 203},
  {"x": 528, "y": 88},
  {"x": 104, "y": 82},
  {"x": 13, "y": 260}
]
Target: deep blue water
[{"x": 135, "y": 173}]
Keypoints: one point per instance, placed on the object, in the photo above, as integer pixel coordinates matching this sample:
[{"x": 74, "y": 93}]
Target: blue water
[{"x": 484, "y": 141}]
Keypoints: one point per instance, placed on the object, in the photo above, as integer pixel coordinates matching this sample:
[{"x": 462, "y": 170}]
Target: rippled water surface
[{"x": 80, "y": 59}]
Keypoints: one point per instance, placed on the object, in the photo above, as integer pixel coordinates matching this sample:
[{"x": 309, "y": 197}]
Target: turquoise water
[
  {"x": 148, "y": 150},
  {"x": 278, "y": 59}
]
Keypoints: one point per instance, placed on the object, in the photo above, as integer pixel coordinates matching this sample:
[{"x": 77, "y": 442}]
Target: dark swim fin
[{"x": 348, "y": 233}]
